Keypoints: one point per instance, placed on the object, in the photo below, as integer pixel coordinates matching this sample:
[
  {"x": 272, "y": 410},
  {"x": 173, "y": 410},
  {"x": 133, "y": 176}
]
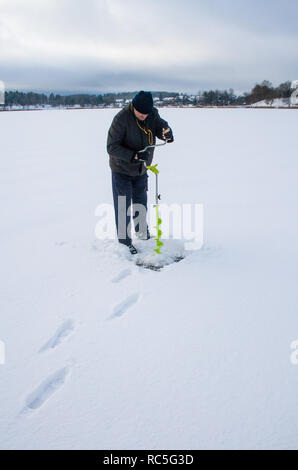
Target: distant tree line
[
  {"x": 266, "y": 92},
  {"x": 263, "y": 91},
  {"x": 219, "y": 98},
  {"x": 33, "y": 99}
]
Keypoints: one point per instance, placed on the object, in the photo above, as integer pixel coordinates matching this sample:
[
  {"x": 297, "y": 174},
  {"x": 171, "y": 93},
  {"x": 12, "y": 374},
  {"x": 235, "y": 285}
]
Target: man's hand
[
  {"x": 167, "y": 135},
  {"x": 141, "y": 156}
]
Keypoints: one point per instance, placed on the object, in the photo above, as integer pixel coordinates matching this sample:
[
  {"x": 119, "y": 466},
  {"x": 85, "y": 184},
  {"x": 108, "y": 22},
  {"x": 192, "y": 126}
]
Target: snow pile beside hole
[{"x": 171, "y": 252}]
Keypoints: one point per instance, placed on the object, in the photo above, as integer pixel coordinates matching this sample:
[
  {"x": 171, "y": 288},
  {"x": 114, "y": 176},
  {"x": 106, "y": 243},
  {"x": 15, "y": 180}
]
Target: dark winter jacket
[{"x": 126, "y": 138}]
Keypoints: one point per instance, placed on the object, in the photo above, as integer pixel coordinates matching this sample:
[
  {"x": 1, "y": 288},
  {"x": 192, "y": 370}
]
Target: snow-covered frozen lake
[{"x": 102, "y": 354}]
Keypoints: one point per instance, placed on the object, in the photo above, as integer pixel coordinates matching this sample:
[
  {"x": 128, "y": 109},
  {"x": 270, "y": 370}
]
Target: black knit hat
[{"x": 143, "y": 102}]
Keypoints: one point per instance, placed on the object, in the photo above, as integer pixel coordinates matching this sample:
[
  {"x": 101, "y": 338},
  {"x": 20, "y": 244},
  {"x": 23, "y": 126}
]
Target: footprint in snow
[
  {"x": 122, "y": 275},
  {"x": 46, "y": 389},
  {"x": 61, "y": 334},
  {"x": 121, "y": 309}
]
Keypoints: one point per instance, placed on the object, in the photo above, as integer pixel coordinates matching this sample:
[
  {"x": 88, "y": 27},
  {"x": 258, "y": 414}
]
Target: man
[{"x": 135, "y": 127}]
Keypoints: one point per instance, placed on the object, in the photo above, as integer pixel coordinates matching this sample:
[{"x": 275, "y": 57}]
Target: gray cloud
[{"x": 112, "y": 45}]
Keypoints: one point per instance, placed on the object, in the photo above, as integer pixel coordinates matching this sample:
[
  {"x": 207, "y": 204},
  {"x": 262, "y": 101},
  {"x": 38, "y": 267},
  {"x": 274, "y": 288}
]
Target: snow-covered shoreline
[{"x": 260, "y": 105}]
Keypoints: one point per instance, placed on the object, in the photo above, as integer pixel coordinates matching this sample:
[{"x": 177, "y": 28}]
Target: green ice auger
[
  {"x": 154, "y": 170},
  {"x": 158, "y": 219}
]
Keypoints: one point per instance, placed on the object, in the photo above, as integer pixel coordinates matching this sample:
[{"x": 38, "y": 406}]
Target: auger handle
[
  {"x": 143, "y": 161},
  {"x": 152, "y": 146}
]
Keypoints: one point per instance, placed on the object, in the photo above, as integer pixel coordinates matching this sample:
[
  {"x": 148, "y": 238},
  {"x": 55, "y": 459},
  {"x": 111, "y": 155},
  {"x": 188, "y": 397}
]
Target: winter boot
[{"x": 132, "y": 249}]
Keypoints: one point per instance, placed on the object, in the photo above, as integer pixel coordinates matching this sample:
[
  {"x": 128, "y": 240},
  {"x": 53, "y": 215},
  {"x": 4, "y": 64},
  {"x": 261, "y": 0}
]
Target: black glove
[
  {"x": 169, "y": 136},
  {"x": 141, "y": 156}
]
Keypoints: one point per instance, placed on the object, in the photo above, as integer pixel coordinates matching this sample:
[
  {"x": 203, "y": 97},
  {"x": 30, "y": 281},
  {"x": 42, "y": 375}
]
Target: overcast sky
[{"x": 126, "y": 45}]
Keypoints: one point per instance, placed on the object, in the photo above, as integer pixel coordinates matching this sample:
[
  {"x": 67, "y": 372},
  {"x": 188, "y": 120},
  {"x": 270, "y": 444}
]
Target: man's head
[{"x": 143, "y": 104}]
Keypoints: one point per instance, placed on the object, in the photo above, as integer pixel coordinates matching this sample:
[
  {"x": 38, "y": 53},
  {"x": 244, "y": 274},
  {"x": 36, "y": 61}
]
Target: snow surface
[
  {"x": 275, "y": 103},
  {"x": 102, "y": 354}
]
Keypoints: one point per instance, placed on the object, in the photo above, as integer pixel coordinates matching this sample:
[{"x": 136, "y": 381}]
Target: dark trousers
[{"x": 133, "y": 190}]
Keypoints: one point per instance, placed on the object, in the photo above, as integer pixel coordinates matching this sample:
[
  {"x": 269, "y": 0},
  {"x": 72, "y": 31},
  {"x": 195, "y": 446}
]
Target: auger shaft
[{"x": 157, "y": 196}]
